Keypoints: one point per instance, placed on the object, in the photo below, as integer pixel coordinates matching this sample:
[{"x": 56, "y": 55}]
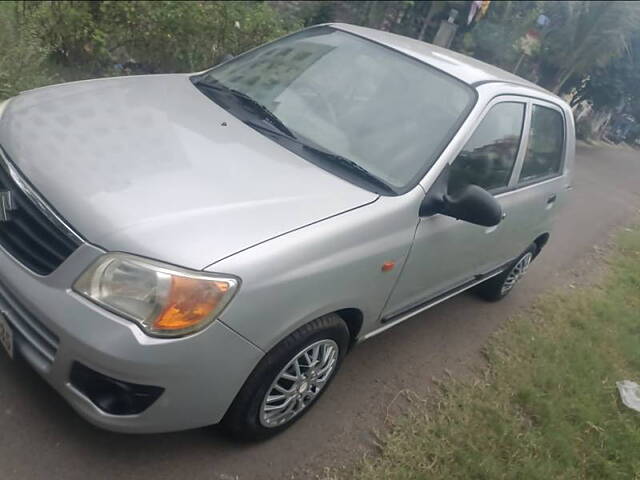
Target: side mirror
[
  {"x": 471, "y": 204},
  {"x": 474, "y": 205}
]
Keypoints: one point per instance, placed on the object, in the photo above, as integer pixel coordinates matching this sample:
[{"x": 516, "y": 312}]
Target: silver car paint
[
  {"x": 326, "y": 267},
  {"x": 145, "y": 165},
  {"x": 460, "y": 66},
  {"x": 527, "y": 216},
  {"x": 118, "y": 348},
  {"x": 285, "y": 284},
  {"x": 233, "y": 220}
]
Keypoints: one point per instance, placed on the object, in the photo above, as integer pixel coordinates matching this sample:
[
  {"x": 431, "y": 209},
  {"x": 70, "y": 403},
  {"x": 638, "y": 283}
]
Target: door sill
[{"x": 393, "y": 320}]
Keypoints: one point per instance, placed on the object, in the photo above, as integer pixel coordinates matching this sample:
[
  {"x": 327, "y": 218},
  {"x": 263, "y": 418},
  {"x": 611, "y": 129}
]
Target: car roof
[{"x": 467, "y": 69}]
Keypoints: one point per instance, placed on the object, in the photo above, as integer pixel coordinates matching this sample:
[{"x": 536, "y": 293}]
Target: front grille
[
  {"x": 32, "y": 339},
  {"x": 26, "y": 232}
]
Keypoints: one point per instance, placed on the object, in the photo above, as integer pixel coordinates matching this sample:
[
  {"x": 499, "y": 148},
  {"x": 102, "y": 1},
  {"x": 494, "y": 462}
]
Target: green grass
[{"x": 546, "y": 407}]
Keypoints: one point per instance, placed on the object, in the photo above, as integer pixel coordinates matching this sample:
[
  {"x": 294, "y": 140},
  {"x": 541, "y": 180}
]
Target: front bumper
[{"x": 54, "y": 327}]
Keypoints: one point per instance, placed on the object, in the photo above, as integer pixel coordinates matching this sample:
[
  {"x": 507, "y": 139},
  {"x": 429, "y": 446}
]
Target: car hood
[{"x": 149, "y": 165}]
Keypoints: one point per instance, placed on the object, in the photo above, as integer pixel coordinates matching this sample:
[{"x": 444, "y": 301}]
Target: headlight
[{"x": 164, "y": 300}]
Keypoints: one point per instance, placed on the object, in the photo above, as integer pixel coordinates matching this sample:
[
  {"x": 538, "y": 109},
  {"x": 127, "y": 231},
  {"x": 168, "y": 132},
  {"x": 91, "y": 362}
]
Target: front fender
[{"x": 324, "y": 267}]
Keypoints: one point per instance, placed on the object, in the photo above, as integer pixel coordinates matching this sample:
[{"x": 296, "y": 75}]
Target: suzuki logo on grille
[{"x": 7, "y": 204}]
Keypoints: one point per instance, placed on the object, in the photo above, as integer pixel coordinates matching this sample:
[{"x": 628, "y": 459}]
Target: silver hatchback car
[{"x": 184, "y": 250}]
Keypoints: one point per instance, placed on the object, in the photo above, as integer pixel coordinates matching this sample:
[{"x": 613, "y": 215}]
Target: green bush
[
  {"x": 71, "y": 31},
  {"x": 44, "y": 42},
  {"x": 99, "y": 37},
  {"x": 171, "y": 36},
  {"x": 23, "y": 58}
]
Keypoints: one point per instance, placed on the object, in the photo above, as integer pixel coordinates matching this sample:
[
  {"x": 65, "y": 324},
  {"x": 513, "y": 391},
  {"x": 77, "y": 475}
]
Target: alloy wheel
[
  {"x": 299, "y": 383},
  {"x": 516, "y": 273}
]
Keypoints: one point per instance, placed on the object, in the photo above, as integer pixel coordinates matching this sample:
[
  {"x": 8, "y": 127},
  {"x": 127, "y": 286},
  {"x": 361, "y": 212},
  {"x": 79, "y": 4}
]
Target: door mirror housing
[{"x": 471, "y": 203}]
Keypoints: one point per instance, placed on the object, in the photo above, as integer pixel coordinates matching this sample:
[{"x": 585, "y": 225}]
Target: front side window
[
  {"x": 488, "y": 158},
  {"x": 381, "y": 110},
  {"x": 545, "y": 146}
]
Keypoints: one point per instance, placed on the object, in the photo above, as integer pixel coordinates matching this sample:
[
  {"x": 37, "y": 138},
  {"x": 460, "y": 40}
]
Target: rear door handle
[{"x": 552, "y": 199}]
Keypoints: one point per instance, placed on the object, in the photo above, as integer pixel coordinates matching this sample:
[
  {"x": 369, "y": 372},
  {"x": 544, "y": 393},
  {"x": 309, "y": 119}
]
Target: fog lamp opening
[{"x": 112, "y": 396}]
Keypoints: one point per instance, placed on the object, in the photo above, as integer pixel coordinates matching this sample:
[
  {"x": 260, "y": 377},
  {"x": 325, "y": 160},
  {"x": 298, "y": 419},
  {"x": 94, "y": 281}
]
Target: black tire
[
  {"x": 492, "y": 290},
  {"x": 242, "y": 420}
]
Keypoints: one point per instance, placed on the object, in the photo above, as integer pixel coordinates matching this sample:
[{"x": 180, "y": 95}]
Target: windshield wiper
[
  {"x": 330, "y": 157},
  {"x": 274, "y": 126},
  {"x": 265, "y": 113},
  {"x": 351, "y": 166},
  {"x": 269, "y": 129}
]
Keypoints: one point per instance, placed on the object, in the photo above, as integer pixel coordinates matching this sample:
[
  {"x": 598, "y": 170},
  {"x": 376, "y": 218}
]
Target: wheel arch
[
  {"x": 354, "y": 318},
  {"x": 540, "y": 242}
]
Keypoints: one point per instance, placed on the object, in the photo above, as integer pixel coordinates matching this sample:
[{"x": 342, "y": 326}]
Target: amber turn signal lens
[
  {"x": 386, "y": 266},
  {"x": 190, "y": 301}
]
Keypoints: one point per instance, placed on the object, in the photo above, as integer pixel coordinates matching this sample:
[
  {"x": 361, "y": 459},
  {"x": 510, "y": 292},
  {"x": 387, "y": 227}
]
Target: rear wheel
[
  {"x": 288, "y": 380},
  {"x": 500, "y": 286}
]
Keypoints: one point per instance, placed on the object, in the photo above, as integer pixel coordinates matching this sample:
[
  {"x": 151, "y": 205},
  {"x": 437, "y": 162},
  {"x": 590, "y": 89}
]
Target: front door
[
  {"x": 447, "y": 253},
  {"x": 539, "y": 184}
]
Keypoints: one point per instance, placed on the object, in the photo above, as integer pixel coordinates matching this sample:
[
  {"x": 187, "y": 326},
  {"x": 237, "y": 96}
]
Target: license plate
[{"x": 6, "y": 335}]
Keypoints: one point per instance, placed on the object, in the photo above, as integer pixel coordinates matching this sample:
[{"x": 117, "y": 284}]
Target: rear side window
[
  {"x": 545, "y": 146},
  {"x": 488, "y": 158}
]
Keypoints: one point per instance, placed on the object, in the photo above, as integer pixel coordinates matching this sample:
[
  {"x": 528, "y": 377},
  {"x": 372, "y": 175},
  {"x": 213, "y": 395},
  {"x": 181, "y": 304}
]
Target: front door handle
[{"x": 552, "y": 199}]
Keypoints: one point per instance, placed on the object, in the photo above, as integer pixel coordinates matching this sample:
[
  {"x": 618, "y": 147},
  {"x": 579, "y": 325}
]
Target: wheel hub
[{"x": 303, "y": 387}]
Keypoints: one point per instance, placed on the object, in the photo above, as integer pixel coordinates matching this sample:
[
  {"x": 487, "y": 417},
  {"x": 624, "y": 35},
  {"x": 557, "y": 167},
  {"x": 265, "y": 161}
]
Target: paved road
[{"x": 41, "y": 437}]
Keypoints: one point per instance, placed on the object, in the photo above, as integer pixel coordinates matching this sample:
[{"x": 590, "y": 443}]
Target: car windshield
[{"x": 366, "y": 105}]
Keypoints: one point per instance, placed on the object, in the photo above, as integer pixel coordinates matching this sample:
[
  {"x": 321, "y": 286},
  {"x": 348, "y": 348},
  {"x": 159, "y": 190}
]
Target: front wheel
[
  {"x": 288, "y": 380},
  {"x": 500, "y": 286}
]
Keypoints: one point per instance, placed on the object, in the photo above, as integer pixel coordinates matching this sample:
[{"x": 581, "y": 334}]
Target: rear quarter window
[{"x": 545, "y": 147}]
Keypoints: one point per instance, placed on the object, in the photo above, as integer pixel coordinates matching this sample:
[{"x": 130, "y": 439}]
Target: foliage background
[
  {"x": 587, "y": 51},
  {"x": 51, "y": 41}
]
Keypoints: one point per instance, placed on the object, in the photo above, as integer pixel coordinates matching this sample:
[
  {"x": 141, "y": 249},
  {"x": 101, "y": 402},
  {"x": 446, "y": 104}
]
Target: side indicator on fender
[{"x": 386, "y": 266}]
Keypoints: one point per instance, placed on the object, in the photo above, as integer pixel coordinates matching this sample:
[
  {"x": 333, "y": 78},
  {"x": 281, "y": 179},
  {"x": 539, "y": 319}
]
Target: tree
[
  {"x": 614, "y": 84},
  {"x": 584, "y": 36},
  {"x": 494, "y": 39}
]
